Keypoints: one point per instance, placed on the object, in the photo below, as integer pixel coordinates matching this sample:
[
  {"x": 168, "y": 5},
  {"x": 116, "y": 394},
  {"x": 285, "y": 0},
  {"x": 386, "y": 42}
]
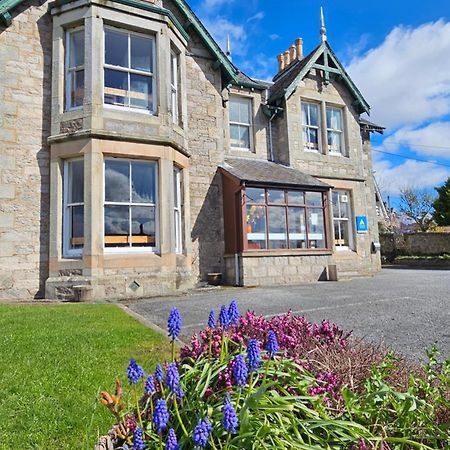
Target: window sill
[
  {"x": 302, "y": 252},
  {"x": 128, "y": 109}
]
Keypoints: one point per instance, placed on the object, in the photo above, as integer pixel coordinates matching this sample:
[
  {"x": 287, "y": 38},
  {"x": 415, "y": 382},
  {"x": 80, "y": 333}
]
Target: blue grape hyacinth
[
  {"x": 201, "y": 433},
  {"x": 224, "y": 320},
  {"x": 150, "y": 385},
  {"x": 138, "y": 440},
  {"x": 172, "y": 443},
  {"x": 134, "y": 372},
  {"x": 159, "y": 374},
  {"x": 233, "y": 313},
  {"x": 253, "y": 355},
  {"x": 172, "y": 377},
  {"x": 174, "y": 324},
  {"x": 272, "y": 343},
  {"x": 160, "y": 415},
  {"x": 212, "y": 319},
  {"x": 240, "y": 371},
  {"x": 230, "y": 420}
]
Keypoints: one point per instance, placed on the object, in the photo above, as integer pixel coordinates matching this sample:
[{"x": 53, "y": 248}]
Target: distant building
[{"x": 136, "y": 158}]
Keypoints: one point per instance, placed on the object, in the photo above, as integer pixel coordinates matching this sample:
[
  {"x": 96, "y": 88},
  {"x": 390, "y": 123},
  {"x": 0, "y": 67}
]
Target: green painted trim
[
  {"x": 6, "y": 19},
  {"x": 325, "y": 48},
  {"x": 5, "y": 7}
]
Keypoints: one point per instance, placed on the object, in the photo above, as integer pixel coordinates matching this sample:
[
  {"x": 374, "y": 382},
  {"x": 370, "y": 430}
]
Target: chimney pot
[
  {"x": 292, "y": 53},
  {"x": 280, "y": 62},
  {"x": 299, "y": 48},
  {"x": 287, "y": 58}
]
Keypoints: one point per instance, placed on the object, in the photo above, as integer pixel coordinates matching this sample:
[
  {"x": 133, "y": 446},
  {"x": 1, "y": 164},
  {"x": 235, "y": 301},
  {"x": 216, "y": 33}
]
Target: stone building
[{"x": 136, "y": 158}]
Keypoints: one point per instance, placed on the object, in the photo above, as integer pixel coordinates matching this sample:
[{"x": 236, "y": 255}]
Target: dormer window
[
  {"x": 241, "y": 123},
  {"x": 129, "y": 79},
  {"x": 74, "y": 76}
]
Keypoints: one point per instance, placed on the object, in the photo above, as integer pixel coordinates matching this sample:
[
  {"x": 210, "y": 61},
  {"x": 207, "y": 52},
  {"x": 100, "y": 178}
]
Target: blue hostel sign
[{"x": 362, "y": 225}]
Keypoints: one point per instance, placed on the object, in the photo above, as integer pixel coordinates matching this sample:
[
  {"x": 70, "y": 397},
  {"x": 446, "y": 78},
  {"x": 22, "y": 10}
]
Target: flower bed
[{"x": 249, "y": 383}]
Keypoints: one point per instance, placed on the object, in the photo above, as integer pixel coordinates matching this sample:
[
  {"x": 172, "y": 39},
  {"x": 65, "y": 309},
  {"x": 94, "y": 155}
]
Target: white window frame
[
  {"x": 67, "y": 230},
  {"x": 336, "y": 131},
  {"x": 129, "y": 71},
  {"x": 308, "y": 126},
  {"x": 248, "y": 101},
  {"x": 178, "y": 208},
  {"x": 130, "y": 248},
  {"x": 174, "y": 86},
  {"x": 68, "y": 71},
  {"x": 340, "y": 219}
]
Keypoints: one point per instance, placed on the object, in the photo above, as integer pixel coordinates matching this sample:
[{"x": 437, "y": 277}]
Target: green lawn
[{"x": 53, "y": 361}]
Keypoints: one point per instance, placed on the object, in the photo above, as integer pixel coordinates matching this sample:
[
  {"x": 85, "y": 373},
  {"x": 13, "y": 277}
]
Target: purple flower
[
  {"x": 160, "y": 415},
  {"x": 134, "y": 372},
  {"x": 179, "y": 393},
  {"x": 174, "y": 324},
  {"x": 159, "y": 374},
  {"x": 172, "y": 377},
  {"x": 209, "y": 427},
  {"x": 138, "y": 440},
  {"x": 233, "y": 313},
  {"x": 212, "y": 319},
  {"x": 150, "y": 385},
  {"x": 224, "y": 320},
  {"x": 172, "y": 443},
  {"x": 230, "y": 419},
  {"x": 272, "y": 343},
  {"x": 253, "y": 355},
  {"x": 201, "y": 433},
  {"x": 240, "y": 371}
]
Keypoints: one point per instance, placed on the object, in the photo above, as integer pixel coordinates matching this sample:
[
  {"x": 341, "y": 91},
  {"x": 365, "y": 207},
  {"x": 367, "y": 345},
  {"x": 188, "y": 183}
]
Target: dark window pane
[
  {"x": 255, "y": 195},
  {"x": 297, "y": 227},
  {"x": 77, "y": 226},
  {"x": 141, "y": 91},
  {"x": 76, "y": 182},
  {"x": 143, "y": 226},
  {"x": 296, "y": 198},
  {"x": 116, "y": 87},
  {"x": 316, "y": 229},
  {"x": 117, "y": 181},
  {"x": 143, "y": 179},
  {"x": 76, "y": 56},
  {"x": 275, "y": 196},
  {"x": 335, "y": 201},
  {"x": 314, "y": 198},
  {"x": 77, "y": 93},
  {"x": 116, "y": 48},
  {"x": 277, "y": 227},
  {"x": 117, "y": 226},
  {"x": 141, "y": 53},
  {"x": 256, "y": 227}
]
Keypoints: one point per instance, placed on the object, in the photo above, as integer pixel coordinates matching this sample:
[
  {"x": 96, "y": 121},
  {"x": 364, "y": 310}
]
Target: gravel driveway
[{"x": 408, "y": 309}]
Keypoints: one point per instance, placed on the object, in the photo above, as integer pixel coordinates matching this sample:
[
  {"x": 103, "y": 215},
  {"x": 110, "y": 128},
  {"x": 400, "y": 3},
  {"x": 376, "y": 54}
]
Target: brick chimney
[{"x": 292, "y": 54}]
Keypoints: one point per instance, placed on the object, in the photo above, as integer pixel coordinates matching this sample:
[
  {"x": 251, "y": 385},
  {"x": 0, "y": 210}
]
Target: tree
[
  {"x": 441, "y": 205},
  {"x": 418, "y": 206}
]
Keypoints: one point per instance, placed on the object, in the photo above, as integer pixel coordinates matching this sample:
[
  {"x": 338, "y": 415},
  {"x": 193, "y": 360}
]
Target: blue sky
[{"x": 397, "y": 52}]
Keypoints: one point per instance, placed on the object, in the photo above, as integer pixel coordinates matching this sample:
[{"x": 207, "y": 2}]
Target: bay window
[
  {"x": 284, "y": 219},
  {"x": 342, "y": 221},
  {"x": 73, "y": 198},
  {"x": 175, "y": 86},
  {"x": 240, "y": 123},
  {"x": 130, "y": 207},
  {"x": 335, "y": 130},
  {"x": 74, "y": 69},
  {"x": 129, "y": 69},
  {"x": 310, "y": 122}
]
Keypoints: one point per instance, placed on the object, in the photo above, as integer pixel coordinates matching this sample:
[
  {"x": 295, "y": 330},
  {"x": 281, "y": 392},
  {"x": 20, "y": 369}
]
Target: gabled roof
[
  {"x": 231, "y": 73},
  {"x": 258, "y": 171},
  {"x": 370, "y": 126},
  {"x": 287, "y": 81}
]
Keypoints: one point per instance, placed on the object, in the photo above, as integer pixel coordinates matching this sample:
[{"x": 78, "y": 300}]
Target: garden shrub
[{"x": 249, "y": 382}]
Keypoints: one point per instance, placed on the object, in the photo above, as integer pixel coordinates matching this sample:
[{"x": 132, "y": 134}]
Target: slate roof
[
  {"x": 267, "y": 172},
  {"x": 370, "y": 125}
]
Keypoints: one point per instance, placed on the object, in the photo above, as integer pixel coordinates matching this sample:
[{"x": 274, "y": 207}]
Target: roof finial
[
  {"x": 228, "y": 53},
  {"x": 323, "y": 30}
]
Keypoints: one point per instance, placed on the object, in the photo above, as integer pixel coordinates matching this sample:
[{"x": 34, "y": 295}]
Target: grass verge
[{"x": 53, "y": 362}]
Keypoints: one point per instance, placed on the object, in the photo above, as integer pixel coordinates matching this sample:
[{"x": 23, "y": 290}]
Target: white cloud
[
  {"x": 220, "y": 28},
  {"x": 260, "y": 66},
  {"x": 433, "y": 139},
  {"x": 407, "y": 78},
  {"x": 207, "y": 5},
  {"x": 258, "y": 16},
  {"x": 274, "y": 37},
  {"x": 420, "y": 175}
]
